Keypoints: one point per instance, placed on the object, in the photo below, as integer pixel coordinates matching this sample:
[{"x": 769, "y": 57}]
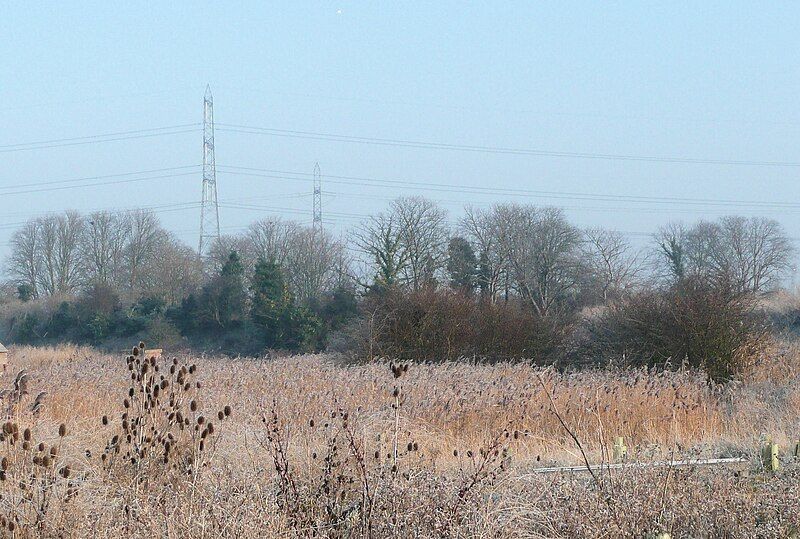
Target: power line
[
  {"x": 94, "y": 139},
  {"x": 96, "y": 184},
  {"x": 405, "y": 143},
  {"x": 350, "y": 217},
  {"x": 443, "y": 187},
  {"x": 630, "y": 209},
  {"x": 158, "y": 208},
  {"x": 105, "y": 176}
]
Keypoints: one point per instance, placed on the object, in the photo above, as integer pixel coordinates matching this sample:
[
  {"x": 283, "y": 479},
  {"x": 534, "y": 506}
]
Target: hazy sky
[{"x": 710, "y": 81}]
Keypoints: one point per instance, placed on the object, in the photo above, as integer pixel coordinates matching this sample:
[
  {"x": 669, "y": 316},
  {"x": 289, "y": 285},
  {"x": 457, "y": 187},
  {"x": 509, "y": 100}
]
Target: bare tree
[
  {"x": 612, "y": 263},
  {"x": 24, "y": 264},
  {"x": 175, "y": 273},
  {"x": 315, "y": 260},
  {"x": 145, "y": 236},
  {"x": 543, "y": 252},
  {"x": 222, "y": 248},
  {"x": 423, "y": 237},
  {"x": 670, "y": 259},
  {"x": 379, "y": 238},
  {"x": 102, "y": 247},
  {"x": 59, "y": 251},
  {"x": 750, "y": 254},
  {"x": 271, "y": 239},
  {"x": 482, "y": 229}
]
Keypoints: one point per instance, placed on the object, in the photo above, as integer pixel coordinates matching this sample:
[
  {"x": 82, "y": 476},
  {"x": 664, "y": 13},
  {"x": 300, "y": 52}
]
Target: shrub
[
  {"x": 711, "y": 327},
  {"x": 443, "y": 325}
]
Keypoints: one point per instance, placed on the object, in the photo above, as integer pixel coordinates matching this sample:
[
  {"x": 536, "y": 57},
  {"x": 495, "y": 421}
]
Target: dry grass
[{"x": 289, "y": 413}]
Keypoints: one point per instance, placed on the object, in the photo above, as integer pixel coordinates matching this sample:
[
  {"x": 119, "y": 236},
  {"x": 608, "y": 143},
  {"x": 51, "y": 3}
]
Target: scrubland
[{"x": 310, "y": 446}]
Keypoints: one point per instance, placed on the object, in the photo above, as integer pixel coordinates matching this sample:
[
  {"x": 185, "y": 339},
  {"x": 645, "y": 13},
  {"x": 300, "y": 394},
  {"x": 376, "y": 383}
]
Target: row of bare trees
[
  {"x": 537, "y": 255},
  {"x": 509, "y": 250},
  {"x": 751, "y": 254},
  {"x": 128, "y": 251},
  {"x": 314, "y": 260},
  {"x": 531, "y": 252}
]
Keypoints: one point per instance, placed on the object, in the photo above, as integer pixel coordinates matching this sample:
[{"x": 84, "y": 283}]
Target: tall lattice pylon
[
  {"x": 317, "y": 219},
  {"x": 209, "y": 208}
]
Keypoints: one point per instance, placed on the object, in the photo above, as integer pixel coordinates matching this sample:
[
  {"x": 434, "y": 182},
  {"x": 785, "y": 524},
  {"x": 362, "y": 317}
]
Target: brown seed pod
[{"x": 62, "y": 430}]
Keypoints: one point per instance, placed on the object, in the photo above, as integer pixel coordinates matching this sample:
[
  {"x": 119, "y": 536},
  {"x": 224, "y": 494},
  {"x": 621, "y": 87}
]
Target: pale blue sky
[{"x": 708, "y": 81}]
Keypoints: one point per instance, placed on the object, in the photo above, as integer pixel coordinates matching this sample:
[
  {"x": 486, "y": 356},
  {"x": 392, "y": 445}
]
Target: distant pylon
[
  {"x": 209, "y": 208},
  {"x": 317, "y": 219}
]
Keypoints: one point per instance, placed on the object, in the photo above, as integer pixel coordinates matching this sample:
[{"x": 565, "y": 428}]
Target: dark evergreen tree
[
  {"x": 222, "y": 302},
  {"x": 283, "y": 324},
  {"x": 25, "y": 292},
  {"x": 462, "y": 265}
]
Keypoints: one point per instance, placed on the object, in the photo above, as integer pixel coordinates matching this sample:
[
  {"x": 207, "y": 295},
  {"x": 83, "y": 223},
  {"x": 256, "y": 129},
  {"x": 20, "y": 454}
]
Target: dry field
[{"x": 305, "y": 446}]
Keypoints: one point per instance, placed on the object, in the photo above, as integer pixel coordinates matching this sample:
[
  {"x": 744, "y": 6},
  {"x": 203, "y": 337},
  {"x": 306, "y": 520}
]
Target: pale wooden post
[
  {"x": 769, "y": 456},
  {"x": 620, "y": 449}
]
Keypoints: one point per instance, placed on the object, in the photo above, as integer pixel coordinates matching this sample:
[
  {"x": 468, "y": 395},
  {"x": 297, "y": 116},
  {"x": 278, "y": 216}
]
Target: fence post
[
  {"x": 769, "y": 456},
  {"x": 620, "y": 449}
]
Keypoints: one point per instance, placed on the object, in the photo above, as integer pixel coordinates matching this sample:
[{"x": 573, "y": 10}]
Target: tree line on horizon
[{"x": 510, "y": 281}]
